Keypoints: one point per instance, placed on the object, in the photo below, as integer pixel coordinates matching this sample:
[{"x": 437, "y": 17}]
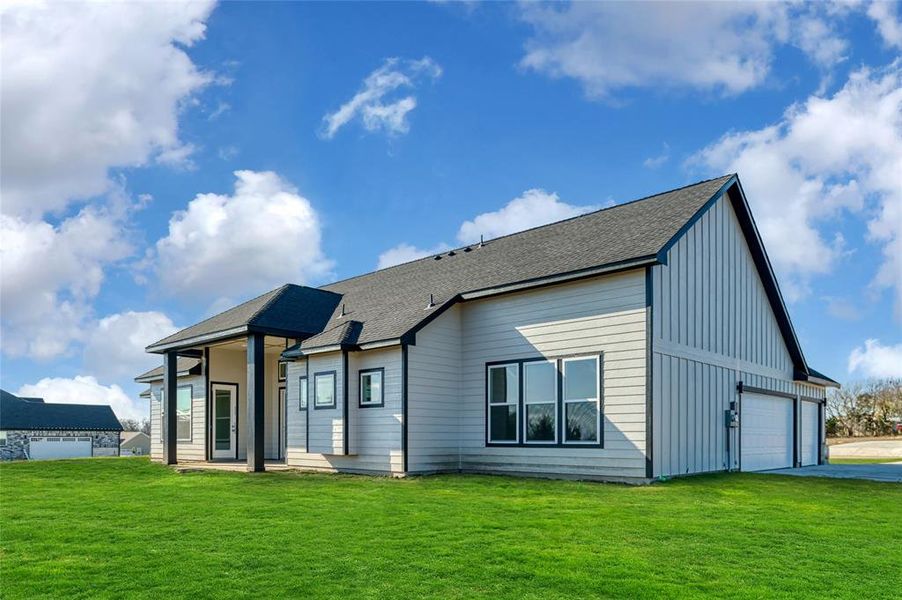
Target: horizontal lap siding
[
  {"x": 375, "y": 443},
  {"x": 195, "y": 449},
  {"x": 433, "y": 406},
  {"x": 712, "y": 327},
  {"x": 606, "y": 315}
]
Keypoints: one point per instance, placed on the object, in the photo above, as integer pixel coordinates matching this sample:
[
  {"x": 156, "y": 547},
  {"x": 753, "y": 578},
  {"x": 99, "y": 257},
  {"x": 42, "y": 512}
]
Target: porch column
[
  {"x": 170, "y": 407},
  {"x": 255, "y": 414}
]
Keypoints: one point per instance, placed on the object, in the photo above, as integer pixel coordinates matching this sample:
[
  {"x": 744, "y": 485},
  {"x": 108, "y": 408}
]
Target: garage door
[
  {"x": 766, "y": 432},
  {"x": 810, "y": 431},
  {"x": 42, "y": 448}
]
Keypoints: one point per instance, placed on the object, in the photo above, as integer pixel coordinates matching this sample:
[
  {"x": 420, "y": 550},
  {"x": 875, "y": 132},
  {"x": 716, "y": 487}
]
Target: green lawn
[{"x": 127, "y": 528}]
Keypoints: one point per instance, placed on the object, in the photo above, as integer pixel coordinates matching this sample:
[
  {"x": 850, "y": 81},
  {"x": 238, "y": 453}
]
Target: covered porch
[{"x": 243, "y": 420}]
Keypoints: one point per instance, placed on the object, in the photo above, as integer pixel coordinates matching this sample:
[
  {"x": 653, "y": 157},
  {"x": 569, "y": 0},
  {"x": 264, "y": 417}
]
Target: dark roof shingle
[{"x": 19, "y": 413}]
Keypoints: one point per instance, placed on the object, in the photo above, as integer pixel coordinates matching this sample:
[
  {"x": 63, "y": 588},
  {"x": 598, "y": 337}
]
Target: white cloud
[
  {"x": 876, "y": 360},
  {"x": 88, "y": 87},
  {"x": 886, "y": 17},
  {"x": 826, "y": 155},
  {"x": 222, "y": 246},
  {"x": 49, "y": 275},
  {"x": 653, "y": 162},
  {"x": 403, "y": 253},
  {"x": 376, "y": 104},
  {"x": 842, "y": 308},
  {"x": 114, "y": 348},
  {"x": 84, "y": 390},
  {"x": 725, "y": 47},
  {"x": 532, "y": 208}
]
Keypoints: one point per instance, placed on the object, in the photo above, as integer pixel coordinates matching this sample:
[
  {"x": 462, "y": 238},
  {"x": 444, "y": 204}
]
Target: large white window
[
  {"x": 504, "y": 402},
  {"x": 183, "y": 412},
  {"x": 540, "y": 401},
  {"x": 581, "y": 400},
  {"x": 371, "y": 389},
  {"x": 324, "y": 390}
]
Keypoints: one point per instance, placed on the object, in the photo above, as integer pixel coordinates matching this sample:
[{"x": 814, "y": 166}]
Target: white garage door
[
  {"x": 810, "y": 430},
  {"x": 766, "y": 432},
  {"x": 42, "y": 448}
]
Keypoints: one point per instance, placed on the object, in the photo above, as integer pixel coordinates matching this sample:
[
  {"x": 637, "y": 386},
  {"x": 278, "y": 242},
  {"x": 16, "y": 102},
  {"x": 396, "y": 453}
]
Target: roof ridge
[
  {"x": 278, "y": 293},
  {"x": 501, "y": 237}
]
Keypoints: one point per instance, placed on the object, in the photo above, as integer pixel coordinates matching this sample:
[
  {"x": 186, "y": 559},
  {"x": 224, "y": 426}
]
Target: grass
[
  {"x": 130, "y": 528},
  {"x": 862, "y": 461}
]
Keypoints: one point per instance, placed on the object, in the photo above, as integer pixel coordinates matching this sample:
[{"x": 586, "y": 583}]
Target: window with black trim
[
  {"x": 324, "y": 390},
  {"x": 183, "y": 413},
  {"x": 504, "y": 405},
  {"x": 546, "y": 402},
  {"x": 540, "y": 401},
  {"x": 372, "y": 391},
  {"x": 581, "y": 400},
  {"x": 283, "y": 370},
  {"x": 302, "y": 393}
]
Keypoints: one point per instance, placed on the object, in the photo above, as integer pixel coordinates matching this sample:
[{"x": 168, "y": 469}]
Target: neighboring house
[
  {"x": 134, "y": 443},
  {"x": 33, "y": 429},
  {"x": 611, "y": 345}
]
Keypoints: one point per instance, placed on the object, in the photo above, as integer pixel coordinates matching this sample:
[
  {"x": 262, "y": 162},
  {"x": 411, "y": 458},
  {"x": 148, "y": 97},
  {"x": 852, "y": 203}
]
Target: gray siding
[
  {"x": 712, "y": 327},
  {"x": 603, "y": 315},
  {"x": 375, "y": 432},
  {"x": 434, "y": 401}
]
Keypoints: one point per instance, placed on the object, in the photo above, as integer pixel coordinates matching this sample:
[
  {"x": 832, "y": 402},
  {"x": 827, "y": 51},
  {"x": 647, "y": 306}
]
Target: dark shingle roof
[
  {"x": 19, "y": 413},
  {"x": 185, "y": 365},
  {"x": 392, "y": 301},
  {"x": 296, "y": 310}
]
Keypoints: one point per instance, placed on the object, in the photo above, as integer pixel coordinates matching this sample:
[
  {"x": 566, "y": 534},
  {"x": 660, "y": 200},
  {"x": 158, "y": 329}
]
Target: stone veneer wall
[{"x": 106, "y": 443}]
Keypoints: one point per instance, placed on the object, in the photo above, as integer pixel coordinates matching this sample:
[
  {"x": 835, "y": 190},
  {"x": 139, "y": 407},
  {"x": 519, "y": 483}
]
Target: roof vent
[
  {"x": 452, "y": 253},
  {"x": 468, "y": 249},
  {"x": 431, "y": 302},
  {"x": 481, "y": 241},
  {"x": 437, "y": 257},
  {"x": 343, "y": 312}
]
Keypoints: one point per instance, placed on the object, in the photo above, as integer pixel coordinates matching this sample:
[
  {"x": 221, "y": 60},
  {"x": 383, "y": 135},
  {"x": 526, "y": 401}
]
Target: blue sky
[{"x": 361, "y": 134}]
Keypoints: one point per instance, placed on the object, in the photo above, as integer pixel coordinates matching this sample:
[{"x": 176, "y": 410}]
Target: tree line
[{"x": 865, "y": 408}]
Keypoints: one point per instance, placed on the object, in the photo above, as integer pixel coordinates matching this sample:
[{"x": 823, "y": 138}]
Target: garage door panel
[
  {"x": 810, "y": 433},
  {"x": 47, "y": 448},
  {"x": 766, "y": 424}
]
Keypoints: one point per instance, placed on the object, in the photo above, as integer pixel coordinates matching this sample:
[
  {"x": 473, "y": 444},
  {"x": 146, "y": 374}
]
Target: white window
[
  {"x": 324, "y": 390},
  {"x": 162, "y": 415},
  {"x": 504, "y": 403},
  {"x": 2, "y": 438},
  {"x": 302, "y": 393},
  {"x": 582, "y": 421},
  {"x": 371, "y": 390},
  {"x": 540, "y": 402},
  {"x": 183, "y": 412}
]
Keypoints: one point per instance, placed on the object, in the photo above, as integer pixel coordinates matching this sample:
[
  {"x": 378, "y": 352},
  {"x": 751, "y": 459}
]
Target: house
[
  {"x": 134, "y": 443},
  {"x": 644, "y": 340},
  {"x": 33, "y": 429}
]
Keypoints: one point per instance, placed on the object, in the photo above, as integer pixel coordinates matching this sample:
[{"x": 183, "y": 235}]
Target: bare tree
[{"x": 861, "y": 408}]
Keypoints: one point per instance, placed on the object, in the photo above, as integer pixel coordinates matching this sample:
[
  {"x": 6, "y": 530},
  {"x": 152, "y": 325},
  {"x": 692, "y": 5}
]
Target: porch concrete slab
[
  {"x": 890, "y": 472},
  {"x": 235, "y": 467},
  {"x": 867, "y": 449}
]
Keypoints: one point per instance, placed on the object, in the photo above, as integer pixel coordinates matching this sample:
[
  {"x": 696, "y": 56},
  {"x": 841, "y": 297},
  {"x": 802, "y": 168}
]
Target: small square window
[
  {"x": 283, "y": 371},
  {"x": 324, "y": 390},
  {"x": 372, "y": 392}
]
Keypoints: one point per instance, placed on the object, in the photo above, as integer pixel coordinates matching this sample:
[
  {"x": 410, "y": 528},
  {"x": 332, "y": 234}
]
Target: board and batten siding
[
  {"x": 712, "y": 326},
  {"x": 195, "y": 449},
  {"x": 433, "y": 396},
  {"x": 375, "y": 431},
  {"x": 601, "y": 315}
]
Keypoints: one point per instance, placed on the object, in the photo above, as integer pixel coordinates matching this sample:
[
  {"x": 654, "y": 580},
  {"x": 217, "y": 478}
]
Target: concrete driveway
[
  {"x": 891, "y": 472},
  {"x": 888, "y": 449}
]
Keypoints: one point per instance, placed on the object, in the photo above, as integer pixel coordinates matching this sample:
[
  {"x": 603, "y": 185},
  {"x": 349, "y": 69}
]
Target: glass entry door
[{"x": 225, "y": 424}]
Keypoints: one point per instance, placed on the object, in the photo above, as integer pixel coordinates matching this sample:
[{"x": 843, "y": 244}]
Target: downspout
[
  {"x": 404, "y": 428},
  {"x": 344, "y": 392}
]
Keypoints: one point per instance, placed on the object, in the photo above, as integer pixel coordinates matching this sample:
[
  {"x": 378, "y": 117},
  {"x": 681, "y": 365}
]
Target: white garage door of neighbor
[
  {"x": 810, "y": 430},
  {"x": 766, "y": 432},
  {"x": 43, "y": 448}
]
